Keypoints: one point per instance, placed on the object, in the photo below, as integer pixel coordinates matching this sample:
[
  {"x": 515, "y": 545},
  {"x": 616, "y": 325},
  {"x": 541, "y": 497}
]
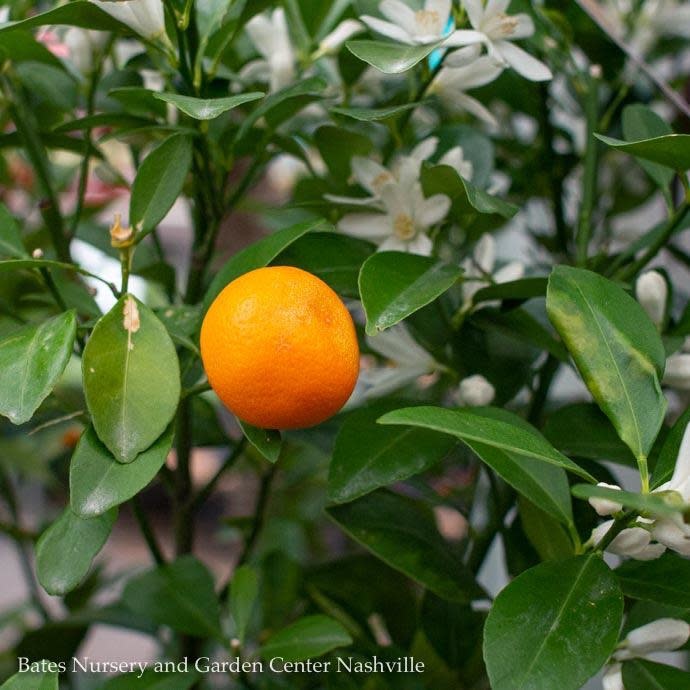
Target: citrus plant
[{"x": 430, "y": 408}]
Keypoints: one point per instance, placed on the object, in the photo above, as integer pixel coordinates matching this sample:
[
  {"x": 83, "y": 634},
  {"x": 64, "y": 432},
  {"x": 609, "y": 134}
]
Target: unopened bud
[
  {"x": 663, "y": 635},
  {"x": 629, "y": 542},
  {"x": 475, "y": 391},
  {"x": 652, "y": 293},
  {"x": 121, "y": 237},
  {"x": 613, "y": 678},
  {"x": 235, "y": 644},
  {"x": 596, "y": 72},
  {"x": 677, "y": 373},
  {"x": 605, "y": 506},
  {"x": 37, "y": 254}
]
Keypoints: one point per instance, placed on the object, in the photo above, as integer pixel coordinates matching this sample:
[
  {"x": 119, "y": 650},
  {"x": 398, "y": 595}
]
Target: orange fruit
[{"x": 280, "y": 349}]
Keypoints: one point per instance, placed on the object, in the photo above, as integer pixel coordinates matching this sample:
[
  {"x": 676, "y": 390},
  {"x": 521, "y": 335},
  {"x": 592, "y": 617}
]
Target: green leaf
[
  {"x": 20, "y": 46},
  {"x": 32, "y": 360},
  {"x": 258, "y": 255},
  {"x": 391, "y": 58},
  {"x": 207, "y": 108},
  {"x": 138, "y": 101},
  {"x": 374, "y": 114},
  {"x": 582, "y": 430},
  {"x": 153, "y": 680},
  {"x": 554, "y": 626},
  {"x": 515, "y": 290},
  {"x": 310, "y": 637},
  {"x": 79, "y": 13},
  {"x": 402, "y": 533},
  {"x": 546, "y": 535},
  {"x": 338, "y": 146},
  {"x": 244, "y": 591},
  {"x": 671, "y": 150},
  {"x": 367, "y": 456},
  {"x": 543, "y": 484},
  {"x": 474, "y": 426},
  {"x": 640, "y": 674},
  {"x": 666, "y": 464},
  {"x": 442, "y": 179},
  {"x": 131, "y": 378},
  {"x": 268, "y": 442},
  {"x": 394, "y": 285},
  {"x": 662, "y": 581},
  {"x": 282, "y": 104},
  {"x": 179, "y": 595},
  {"x": 159, "y": 182},
  {"x": 651, "y": 504},
  {"x": 11, "y": 244},
  {"x": 640, "y": 122},
  {"x": 616, "y": 349},
  {"x": 336, "y": 259},
  {"x": 66, "y": 549},
  {"x": 32, "y": 681},
  {"x": 98, "y": 482}
]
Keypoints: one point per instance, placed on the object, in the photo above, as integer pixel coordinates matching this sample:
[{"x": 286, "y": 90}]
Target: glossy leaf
[
  {"x": 442, "y": 179},
  {"x": 368, "y": 456},
  {"x": 394, "y": 285},
  {"x": 180, "y": 595},
  {"x": 159, "y": 182},
  {"x": 641, "y": 674},
  {"x": 244, "y": 591},
  {"x": 32, "y": 681},
  {"x": 10, "y": 236},
  {"x": 308, "y": 638},
  {"x": 403, "y": 534},
  {"x": 515, "y": 290},
  {"x": 652, "y": 504},
  {"x": 474, "y": 426},
  {"x": 207, "y": 108},
  {"x": 32, "y": 360},
  {"x": 545, "y": 534},
  {"x": 66, "y": 549},
  {"x": 671, "y": 150},
  {"x": 79, "y": 13},
  {"x": 615, "y": 347},
  {"x": 391, "y": 58},
  {"x": 374, "y": 114},
  {"x": 98, "y": 482},
  {"x": 569, "y": 615},
  {"x": 641, "y": 122},
  {"x": 258, "y": 255},
  {"x": 662, "y": 581},
  {"x": 268, "y": 442},
  {"x": 131, "y": 378}
]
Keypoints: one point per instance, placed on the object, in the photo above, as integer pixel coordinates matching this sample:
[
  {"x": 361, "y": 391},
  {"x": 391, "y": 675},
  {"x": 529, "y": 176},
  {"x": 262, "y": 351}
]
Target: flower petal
[
  {"x": 387, "y": 29},
  {"x": 368, "y": 226},
  {"x": 432, "y": 210},
  {"x": 462, "y": 57},
  {"x": 525, "y": 27},
  {"x": 522, "y": 62},
  {"x": 370, "y": 174},
  {"x": 475, "y": 11},
  {"x": 399, "y": 13},
  {"x": 494, "y": 7},
  {"x": 464, "y": 37}
]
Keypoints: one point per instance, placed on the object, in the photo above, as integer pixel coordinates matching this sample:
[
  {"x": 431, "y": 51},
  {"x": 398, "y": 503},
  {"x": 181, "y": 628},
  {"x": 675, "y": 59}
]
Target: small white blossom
[
  {"x": 144, "y": 17},
  {"x": 271, "y": 37},
  {"x": 411, "y": 27},
  {"x": 632, "y": 541},
  {"x": 452, "y": 83},
  {"x": 493, "y": 27},
  {"x": 651, "y": 291},
  {"x": 475, "y": 391},
  {"x": 605, "y": 506},
  {"x": 662, "y": 635}
]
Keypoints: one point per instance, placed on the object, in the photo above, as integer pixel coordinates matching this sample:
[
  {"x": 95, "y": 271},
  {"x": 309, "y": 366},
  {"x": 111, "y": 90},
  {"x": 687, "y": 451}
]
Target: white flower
[
  {"x": 475, "y": 391},
  {"x": 411, "y": 27},
  {"x": 479, "y": 270},
  {"x": 144, "y": 17},
  {"x": 451, "y": 84},
  {"x": 496, "y": 29},
  {"x": 605, "y": 506},
  {"x": 403, "y": 225},
  {"x": 662, "y": 635},
  {"x": 613, "y": 678},
  {"x": 677, "y": 372},
  {"x": 632, "y": 541},
  {"x": 82, "y": 45},
  {"x": 406, "y": 361},
  {"x": 271, "y": 37},
  {"x": 334, "y": 40},
  {"x": 651, "y": 291}
]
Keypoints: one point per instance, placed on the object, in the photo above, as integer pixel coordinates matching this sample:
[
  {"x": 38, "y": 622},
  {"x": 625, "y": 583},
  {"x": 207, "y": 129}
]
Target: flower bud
[
  {"x": 652, "y": 293},
  {"x": 673, "y": 535},
  {"x": 677, "y": 373},
  {"x": 37, "y": 253},
  {"x": 663, "y": 635},
  {"x": 613, "y": 678},
  {"x": 629, "y": 542},
  {"x": 475, "y": 391},
  {"x": 144, "y": 17},
  {"x": 605, "y": 506}
]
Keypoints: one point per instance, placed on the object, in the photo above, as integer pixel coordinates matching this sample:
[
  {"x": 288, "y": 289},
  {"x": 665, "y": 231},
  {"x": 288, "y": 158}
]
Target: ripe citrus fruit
[{"x": 280, "y": 349}]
